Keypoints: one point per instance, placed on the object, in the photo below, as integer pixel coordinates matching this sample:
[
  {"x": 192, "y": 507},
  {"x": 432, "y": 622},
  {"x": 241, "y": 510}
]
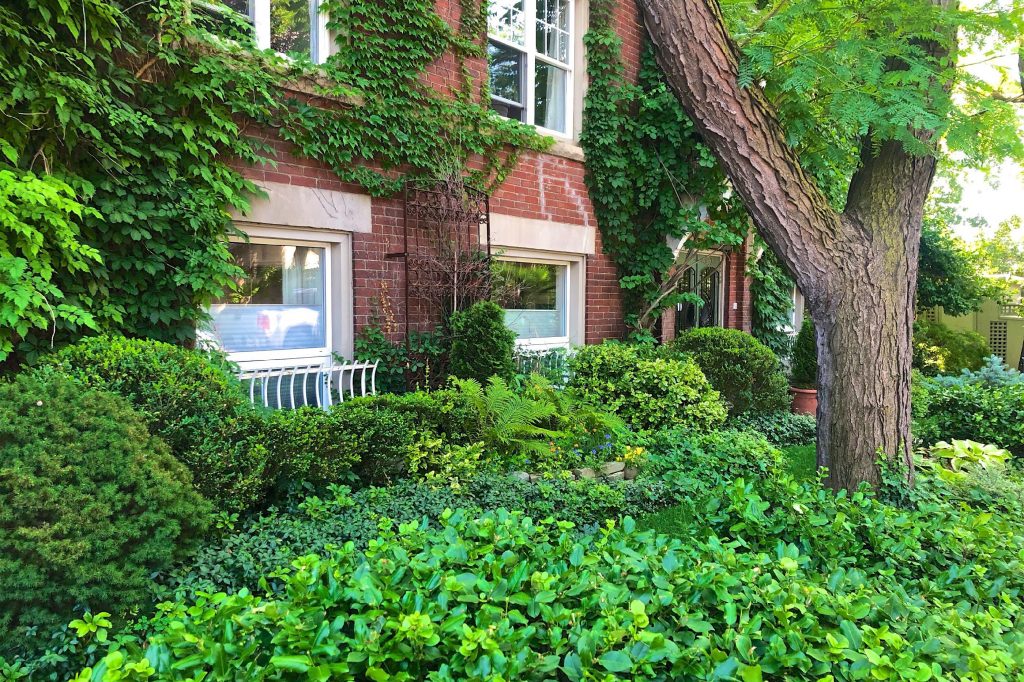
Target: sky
[{"x": 1000, "y": 196}]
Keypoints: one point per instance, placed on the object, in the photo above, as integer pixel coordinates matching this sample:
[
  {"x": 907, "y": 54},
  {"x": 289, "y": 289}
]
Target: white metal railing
[{"x": 320, "y": 384}]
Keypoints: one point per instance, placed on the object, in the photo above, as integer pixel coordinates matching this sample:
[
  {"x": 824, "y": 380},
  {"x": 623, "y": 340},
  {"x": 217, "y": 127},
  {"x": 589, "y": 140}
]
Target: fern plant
[{"x": 514, "y": 425}]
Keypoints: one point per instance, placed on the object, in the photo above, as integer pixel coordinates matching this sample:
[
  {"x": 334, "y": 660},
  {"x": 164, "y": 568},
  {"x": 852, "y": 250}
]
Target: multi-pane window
[
  {"x": 702, "y": 277},
  {"x": 535, "y": 298},
  {"x": 279, "y": 304},
  {"x": 530, "y": 51},
  {"x": 286, "y": 26}
]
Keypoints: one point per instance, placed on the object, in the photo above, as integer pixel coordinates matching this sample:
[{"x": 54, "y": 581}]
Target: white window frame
[
  {"x": 575, "y": 295},
  {"x": 531, "y": 54},
  {"x": 260, "y": 15},
  {"x": 720, "y": 318},
  {"x": 338, "y": 297}
]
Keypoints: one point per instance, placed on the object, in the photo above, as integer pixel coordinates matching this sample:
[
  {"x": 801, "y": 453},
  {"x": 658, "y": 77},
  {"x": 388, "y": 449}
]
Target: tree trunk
[{"x": 856, "y": 269}]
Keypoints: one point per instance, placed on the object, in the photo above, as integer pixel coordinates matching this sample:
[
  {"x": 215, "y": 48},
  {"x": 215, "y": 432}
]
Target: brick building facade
[{"x": 541, "y": 217}]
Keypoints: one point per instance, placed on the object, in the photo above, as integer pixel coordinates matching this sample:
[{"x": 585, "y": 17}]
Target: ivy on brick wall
[
  {"x": 771, "y": 293},
  {"x": 125, "y": 123},
  {"x": 650, "y": 177}
]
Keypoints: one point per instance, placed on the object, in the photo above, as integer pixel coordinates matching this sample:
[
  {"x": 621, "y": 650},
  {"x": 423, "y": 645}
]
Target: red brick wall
[{"x": 543, "y": 186}]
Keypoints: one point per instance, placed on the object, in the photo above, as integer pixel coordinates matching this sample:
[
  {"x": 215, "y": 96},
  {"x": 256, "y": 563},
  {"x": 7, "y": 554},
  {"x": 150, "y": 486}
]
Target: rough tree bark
[{"x": 857, "y": 269}]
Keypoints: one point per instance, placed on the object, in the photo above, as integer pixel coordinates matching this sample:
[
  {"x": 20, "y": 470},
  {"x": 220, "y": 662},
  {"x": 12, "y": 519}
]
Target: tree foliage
[
  {"x": 948, "y": 274},
  {"x": 1002, "y": 253},
  {"x": 861, "y": 68}
]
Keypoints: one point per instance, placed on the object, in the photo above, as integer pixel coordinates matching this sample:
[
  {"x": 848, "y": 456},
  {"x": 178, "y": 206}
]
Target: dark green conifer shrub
[
  {"x": 481, "y": 345},
  {"x": 805, "y": 356},
  {"x": 91, "y": 505}
]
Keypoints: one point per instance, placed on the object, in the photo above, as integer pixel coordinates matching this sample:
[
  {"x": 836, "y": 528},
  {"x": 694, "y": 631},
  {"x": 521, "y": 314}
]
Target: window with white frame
[
  {"x": 703, "y": 278},
  {"x": 535, "y": 296},
  {"x": 530, "y": 52},
  {"x": 281, "y": 307},
  {"x": 287, "y": 26}
]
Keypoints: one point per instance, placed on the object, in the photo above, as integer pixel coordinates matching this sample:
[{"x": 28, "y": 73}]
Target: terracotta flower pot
[{"x": 805, "y": 400}]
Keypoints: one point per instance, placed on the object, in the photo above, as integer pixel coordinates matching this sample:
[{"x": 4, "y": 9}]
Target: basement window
[
  {"x": 281, "y": 305},
  {"x": 535, "y": 296}
]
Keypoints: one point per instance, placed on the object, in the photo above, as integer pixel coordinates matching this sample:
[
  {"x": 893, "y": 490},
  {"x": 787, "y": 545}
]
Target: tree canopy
[{"x": 830, "y": 120}]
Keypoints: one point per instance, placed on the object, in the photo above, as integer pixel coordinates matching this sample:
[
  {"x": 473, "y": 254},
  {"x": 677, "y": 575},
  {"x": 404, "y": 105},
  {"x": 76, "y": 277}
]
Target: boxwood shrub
[
  {"x": 745, "y": 371},
  {"x": 192, "y": 401},
  {"x": 90, "y": 504},
  {"x": 649, "y": 393}
]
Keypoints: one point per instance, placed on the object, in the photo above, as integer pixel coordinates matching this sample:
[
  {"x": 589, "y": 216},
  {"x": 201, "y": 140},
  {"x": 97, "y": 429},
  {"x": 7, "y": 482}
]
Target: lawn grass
[{"x": 802, "y": 461}]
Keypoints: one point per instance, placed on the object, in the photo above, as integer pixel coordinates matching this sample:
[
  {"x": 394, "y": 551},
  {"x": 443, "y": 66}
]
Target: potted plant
[{"x": 804, "y": 373}]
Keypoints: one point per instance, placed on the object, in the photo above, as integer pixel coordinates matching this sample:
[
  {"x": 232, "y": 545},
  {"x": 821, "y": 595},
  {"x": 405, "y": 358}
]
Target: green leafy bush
[
  {"x": 310, "y": 446},
  {"x": 745, "y": 371},
  {"x": 379, "y": 438},
  {"x": 648, "y": 393},
  {"x": 417, "y": 362},
  {"x": 481, "y": 345},
  {"x": 193, "y": 402},
  {"x": 804, "y": 370},
  {"x": 941, "y": 350},
  {"x": 800, "y": 586},
  {"x": 969, "y": 411},
  {"x": 90, "y": 503},
  {"x": 781, "y": 428}
]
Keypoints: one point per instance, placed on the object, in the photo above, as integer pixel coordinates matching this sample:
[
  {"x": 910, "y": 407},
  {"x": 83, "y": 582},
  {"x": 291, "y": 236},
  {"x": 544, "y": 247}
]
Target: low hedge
[
  {"x": 782, "y": 428},
  {"x": 971, "y": 411}
]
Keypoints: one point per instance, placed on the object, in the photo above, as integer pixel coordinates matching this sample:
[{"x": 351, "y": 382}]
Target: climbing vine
[
  {"x": 650, "y": 177},
  {"x": 126, "y": 124},
  {"x": 771, "y": 292}
]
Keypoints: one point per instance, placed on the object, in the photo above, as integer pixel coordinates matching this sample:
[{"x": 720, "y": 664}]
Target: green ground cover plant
[{"x": 793, "y": 581}]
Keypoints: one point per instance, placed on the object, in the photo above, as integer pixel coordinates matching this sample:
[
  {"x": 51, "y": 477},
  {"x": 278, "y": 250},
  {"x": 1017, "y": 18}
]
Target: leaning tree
[{"x": 830, "y": 120}]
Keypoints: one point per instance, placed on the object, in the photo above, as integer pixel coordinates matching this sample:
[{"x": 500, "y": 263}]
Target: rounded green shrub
[
  {"x": 745, "y": 371},
  {"x": 941, "y": 350},
  {"x": 481, "y": 345},
  {"x": 192, "y": 401},
  {"x": 648, "y": 393},
  {"x": 805, "y": 356},
  {"x": 91, "y": 505}
]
